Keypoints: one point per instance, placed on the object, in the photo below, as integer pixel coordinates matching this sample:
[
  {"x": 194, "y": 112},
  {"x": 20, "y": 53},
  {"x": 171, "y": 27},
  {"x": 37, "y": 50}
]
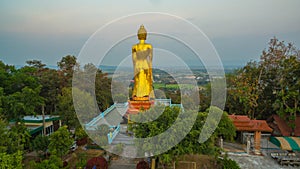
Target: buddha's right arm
[{"x": 134, "y": 57}]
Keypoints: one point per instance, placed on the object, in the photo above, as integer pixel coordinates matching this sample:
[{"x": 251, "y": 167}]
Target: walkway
[
  {"x": 237, "y": 153},
  {"x": 257, "y": 162},
  {"x": 123, "y": 137}
]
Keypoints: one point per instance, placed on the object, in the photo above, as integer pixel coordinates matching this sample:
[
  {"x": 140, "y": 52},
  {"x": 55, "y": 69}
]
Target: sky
[{"x": 48, "y": 30}]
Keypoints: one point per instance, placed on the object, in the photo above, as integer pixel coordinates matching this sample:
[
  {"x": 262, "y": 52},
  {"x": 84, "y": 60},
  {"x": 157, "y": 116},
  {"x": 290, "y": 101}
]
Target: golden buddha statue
[{"x": 142, "y": 65}]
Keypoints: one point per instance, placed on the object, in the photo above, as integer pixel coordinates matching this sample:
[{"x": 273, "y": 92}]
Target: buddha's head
[{"x": 142, "y": 33}]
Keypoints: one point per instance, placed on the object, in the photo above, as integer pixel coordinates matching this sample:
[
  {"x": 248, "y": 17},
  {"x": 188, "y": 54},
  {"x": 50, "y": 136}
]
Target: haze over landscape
[{"x": 49, "y": 30}]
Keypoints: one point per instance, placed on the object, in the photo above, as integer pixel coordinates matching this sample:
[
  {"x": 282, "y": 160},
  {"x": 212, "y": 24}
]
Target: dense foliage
[
  {"x": 227, "y": 163},
  {"x": 270, "y": 86},
  {"x": 40, "y": 144},
  {"x": 13, "y": 160},
  {"x": 190, "y": 144},
  {"x": 12, "y": 144},
  {"x": 60, "y": 142},
  {"x": 53, "y": 162}
]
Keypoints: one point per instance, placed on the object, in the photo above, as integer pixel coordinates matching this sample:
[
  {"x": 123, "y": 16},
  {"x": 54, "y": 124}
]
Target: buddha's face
[{"x": 142, "y": 36}]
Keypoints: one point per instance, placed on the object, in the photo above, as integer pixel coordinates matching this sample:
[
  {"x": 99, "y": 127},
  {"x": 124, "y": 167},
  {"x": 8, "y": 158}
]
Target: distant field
[
  {"x": 168, "y": 86},
  {"x": 171, "y": 86}
]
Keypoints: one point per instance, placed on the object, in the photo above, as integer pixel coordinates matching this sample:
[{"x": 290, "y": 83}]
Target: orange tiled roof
[
  {"x": 282, "y": 125},
  {"x": 297, "y": 128},
  {"x": 285, "y": 129},
  {"x": 243, "y": 123}
]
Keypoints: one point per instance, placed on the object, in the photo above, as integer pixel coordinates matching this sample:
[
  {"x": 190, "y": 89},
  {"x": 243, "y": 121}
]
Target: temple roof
[
  {"x": 283, "y": 126},
  {"x": 297, "y": 128},
  {"x": 244, "y": 123}
]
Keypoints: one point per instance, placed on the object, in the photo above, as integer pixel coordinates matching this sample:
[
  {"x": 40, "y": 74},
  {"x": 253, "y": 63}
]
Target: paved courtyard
[
  {"x": 237, "y": 152},
  {"x": 257, "y": 162}
]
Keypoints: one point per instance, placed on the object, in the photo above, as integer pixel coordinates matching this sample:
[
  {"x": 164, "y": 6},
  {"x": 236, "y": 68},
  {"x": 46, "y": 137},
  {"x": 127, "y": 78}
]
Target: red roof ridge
[
  {"x": 243, "y": 123},
  {"x": 282, "y": 125}
]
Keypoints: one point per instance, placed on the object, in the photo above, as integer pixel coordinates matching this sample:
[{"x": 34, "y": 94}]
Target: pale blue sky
[{"x": 48, "y": 30}]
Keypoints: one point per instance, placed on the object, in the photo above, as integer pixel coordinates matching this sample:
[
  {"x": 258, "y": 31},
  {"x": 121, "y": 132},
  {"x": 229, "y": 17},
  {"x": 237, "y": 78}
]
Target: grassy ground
[
  {"x": 202, "y": 161},
  {"x": 172, "y": 86},
  {"x": 168, "y": 86}
]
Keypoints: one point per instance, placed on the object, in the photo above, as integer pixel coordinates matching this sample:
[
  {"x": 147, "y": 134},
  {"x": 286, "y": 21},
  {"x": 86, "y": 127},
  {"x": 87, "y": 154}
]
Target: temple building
[
  {"x": 35, "y": 124},
  {"x": 247, "y": 127}
]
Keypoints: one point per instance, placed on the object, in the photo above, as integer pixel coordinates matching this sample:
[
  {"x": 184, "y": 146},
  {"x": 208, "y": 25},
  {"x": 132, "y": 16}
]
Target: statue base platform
[{"x": 137, "y": 106}]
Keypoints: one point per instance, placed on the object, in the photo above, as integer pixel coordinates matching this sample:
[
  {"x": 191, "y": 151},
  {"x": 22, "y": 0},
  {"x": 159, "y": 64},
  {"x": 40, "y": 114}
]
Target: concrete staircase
[{"x": 123, "y": 139}]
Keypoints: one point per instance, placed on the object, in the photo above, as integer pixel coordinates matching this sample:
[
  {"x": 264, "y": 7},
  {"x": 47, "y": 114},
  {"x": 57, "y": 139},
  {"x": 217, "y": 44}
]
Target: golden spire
[{"x": 142, "y": 33}]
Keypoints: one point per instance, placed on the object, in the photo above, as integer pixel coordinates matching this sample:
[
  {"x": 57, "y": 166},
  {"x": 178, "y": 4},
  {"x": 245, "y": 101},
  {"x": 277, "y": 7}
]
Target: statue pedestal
[{"x": 137, "y": 106}]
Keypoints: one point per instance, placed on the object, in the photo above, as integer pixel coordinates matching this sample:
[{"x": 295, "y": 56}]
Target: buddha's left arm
[{"x": 150, "y": 64}]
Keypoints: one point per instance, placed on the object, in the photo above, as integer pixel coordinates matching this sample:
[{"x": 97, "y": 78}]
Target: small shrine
[{"x": 245, "y": 124}]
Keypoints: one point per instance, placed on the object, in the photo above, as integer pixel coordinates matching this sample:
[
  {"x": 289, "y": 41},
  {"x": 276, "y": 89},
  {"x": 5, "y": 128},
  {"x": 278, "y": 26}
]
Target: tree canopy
[
  {"x": 190, "y": 143},
  {"x": 60, "y": 142},
  {"x": 270, "y": 86}
]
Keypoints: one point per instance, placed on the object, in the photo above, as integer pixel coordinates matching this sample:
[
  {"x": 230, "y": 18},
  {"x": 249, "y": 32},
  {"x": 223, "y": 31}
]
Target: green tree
[
  {"x": 49, "y": 80},
  {"x": 51, "y": 87},
  {"x": 19, "y": 92},
  {"x": 53, "y": 162},
  {"x": 5, "y": 74},
  {"x": 11, "y": 145},
  {"x": 22, "y": 103},
  {"x": 36, "y": 64},
  {"x": 19, "y": 138},
  {"x": 244, "y": 90},
  {"x": 227, "y": 163},
  {"x": 190, "y": 144},
  {"x": 100, "y": 135},
  {"x": 80, "y": 133},
  {"x": 103, "y": 90},
  {"x": 102, "y": 130},
  {"x": 120, "y": 98},
  {"x": 4, "y": 133},
  {"x": 60, "y": 141},
  {"x": 18, "y": 79},
  {"x": 66, "y": 66},
  {"x": 86, "y": 106},
  {"x": 1, "y": 100},
  {"x": 288, "y": 97},
  {"x": 41, "y": 143},
  {"x": 89, "y": 76},
  {"x": 204, "y": 97},
  {"x": 11, "y": 160},
  {"x": 273, "y": 82},
  {"x": 66, "y": 109},
  {"x": 14, "y": 139},
  {"x": 272, "y": 71}
]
